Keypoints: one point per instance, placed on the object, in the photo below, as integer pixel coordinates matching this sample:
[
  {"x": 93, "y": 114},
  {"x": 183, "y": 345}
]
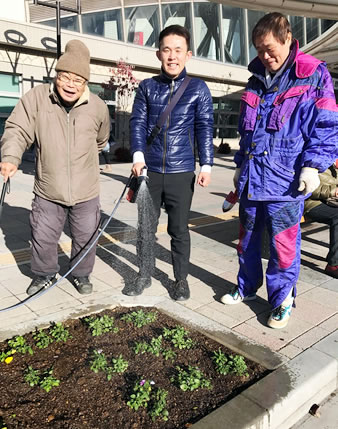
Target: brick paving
[{"x": 213, "y": 263}]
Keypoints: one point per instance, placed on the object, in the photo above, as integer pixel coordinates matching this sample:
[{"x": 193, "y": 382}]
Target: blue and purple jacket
[{"x": 290, "y": 125}]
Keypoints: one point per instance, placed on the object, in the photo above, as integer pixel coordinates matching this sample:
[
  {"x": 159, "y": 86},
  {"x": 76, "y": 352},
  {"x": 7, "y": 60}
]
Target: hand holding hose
[
  {"x": 137, "y": 168},
  {"x": 8, "y": 170}
]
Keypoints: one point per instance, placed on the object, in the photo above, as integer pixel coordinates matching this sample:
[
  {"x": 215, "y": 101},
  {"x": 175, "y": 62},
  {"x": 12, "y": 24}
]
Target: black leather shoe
[
  {"x": 40, "y": 282},
  {"x": 181, "y": 291},
  {"x": 83, "y": 285},
  {"x": 137, "y": 287}
]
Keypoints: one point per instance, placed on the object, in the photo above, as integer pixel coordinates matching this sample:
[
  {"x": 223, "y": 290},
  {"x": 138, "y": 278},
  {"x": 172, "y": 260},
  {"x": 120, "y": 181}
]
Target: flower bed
[{"x": 121, "y": 368}]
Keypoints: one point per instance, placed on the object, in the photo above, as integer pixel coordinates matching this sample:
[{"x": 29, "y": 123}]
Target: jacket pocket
[
  {"x": 286, "y": 152},
  {"x": 191, "y": 143},
  {"x": 284, "y": 105},
  {"x": 35, "y": 213},
  {"x": 249, "y": 108},
  {"x": 279, "y": 180}
]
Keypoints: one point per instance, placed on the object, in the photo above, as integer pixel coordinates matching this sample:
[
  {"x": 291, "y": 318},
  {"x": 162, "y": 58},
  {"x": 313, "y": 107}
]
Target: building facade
[{"x": 129, "y": 30}]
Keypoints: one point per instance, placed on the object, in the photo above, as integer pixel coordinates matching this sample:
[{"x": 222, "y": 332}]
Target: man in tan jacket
[{"x": 69, "y": 126}]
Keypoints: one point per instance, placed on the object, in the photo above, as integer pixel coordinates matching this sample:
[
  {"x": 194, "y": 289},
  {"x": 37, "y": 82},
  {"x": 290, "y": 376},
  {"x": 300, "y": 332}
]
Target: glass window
[
  {"x": 253, "y": 17},
  {"x": 233, "y": 30},
  {"x": 207, "y": 30},
  {"x": 9, "y": 95},
  {"x": 326, "y": 24},
  {"x": 312, "y": 29},
  {"x": 67, "y": 23},
  {"x": 226, "y": 114},
  {"x": 177, "y": 14},
  {"x": 9, "y": 83},
  {"x": 104, "y": 93},
  {"x": 105, "y": 24},
  {"x": 297, "y": 27},
  {"x": 109, "y": 97},
  {"x": 143, "y": 25}
]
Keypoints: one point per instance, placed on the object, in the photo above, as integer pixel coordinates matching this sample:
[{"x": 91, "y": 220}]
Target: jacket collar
[
  {"x": 306, "y": 64},
  {"x": 168, "y": 79}
]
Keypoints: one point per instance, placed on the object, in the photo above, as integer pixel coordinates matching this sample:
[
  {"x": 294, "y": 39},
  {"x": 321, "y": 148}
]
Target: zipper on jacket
[
  {"x": 68, "y": 149},
  {"x": 167, "y": 127}
]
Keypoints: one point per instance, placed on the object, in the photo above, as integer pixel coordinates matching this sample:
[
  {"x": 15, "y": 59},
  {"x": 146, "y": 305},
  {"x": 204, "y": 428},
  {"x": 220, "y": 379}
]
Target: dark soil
[{"x": 85, "y": 399}]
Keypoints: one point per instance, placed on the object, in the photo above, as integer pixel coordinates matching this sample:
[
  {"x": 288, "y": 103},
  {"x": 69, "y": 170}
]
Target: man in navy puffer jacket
[{"x": 170, "y": 158}]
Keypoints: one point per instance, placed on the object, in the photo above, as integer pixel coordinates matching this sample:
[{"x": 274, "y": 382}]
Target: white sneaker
[
  {"x": 234, "y": 297},
  {"x": 280, "y": 316}
]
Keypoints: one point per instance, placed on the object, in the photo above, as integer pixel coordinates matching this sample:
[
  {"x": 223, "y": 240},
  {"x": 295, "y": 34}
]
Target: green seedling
[
  {"x": 178, "y": 337},
  {"x": 7, "y": 354},
  {"x": 119, "y": 365},
  {"x": 59, "y": 332},
  {"x": 19, "y": 344},
  {"x": 101, "y": 325},
  {"x": 141, "y": 347},
  {"x": 158, "y": 403},
  {"x": 154, "y": 347},
  {"x": 221, "y": 362},
  {"x": 141, "y": 395},
  {"x": 32, "y": 376},
  {"x": 42, "y": 339},
  {"x": 48, "y": 381},
  {"x": 230, "y": 364},
  {"x": 190, "y": 379},
  {"x": 140, "y": 318},
  {"x": 169, "y": 354},
  {"x": 239, "y": 366},
  {"x": 99, "y": 362}
]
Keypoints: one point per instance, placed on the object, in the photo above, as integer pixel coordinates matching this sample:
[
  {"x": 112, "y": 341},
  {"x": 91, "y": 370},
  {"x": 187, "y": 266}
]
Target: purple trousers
[
  {"x": 47, "y": 221},
  {"x": 282, "y": 220}
]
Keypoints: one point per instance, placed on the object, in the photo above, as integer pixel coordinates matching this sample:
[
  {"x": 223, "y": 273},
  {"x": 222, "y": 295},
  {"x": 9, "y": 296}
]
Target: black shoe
[
  {"x": 40, "y": 282},
  {"x": 181, "y": 291},
  {"x": 137, "y": 287},
  {"x": 83, "y": 285}
]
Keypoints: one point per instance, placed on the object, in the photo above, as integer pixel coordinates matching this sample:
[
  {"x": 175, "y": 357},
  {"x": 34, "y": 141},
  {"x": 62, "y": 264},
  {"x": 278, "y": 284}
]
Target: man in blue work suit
[{"x": 288, "y": 127}]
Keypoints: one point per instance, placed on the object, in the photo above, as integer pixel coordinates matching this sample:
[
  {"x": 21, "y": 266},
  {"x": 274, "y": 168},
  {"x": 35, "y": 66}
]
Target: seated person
[{"x": 322, "y": 207}]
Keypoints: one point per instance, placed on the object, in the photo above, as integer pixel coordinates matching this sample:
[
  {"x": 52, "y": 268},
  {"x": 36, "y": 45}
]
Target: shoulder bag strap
[{"x": 166, "y": 112}]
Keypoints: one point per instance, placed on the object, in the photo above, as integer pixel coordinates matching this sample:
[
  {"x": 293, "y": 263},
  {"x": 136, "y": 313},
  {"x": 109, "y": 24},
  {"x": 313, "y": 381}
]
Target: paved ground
[{"x": 213, "y": 266}]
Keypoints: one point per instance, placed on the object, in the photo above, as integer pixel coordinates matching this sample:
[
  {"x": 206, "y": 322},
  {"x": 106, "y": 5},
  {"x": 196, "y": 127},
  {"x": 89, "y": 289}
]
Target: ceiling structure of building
[
  {"x": 325, "y": 9},
  {"x": 324, "y": 47}
]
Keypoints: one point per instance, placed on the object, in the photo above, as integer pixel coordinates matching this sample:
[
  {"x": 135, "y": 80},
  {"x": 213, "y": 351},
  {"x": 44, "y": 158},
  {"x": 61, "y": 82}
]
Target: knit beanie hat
[{"x": 76, "y": 59}]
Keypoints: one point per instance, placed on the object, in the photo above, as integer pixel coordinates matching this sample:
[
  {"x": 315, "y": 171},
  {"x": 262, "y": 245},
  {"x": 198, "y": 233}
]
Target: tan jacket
[
  {"x": 67, "y": 144},
  {"x": 326, "y": 191}
]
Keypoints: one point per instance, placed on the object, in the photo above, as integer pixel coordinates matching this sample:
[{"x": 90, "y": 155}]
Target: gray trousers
[{"x": 47, "y": 221}]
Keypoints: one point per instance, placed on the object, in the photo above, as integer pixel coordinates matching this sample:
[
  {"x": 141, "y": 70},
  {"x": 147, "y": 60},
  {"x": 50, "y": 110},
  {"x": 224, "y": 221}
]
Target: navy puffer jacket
[{"x": 173, "y": 151}]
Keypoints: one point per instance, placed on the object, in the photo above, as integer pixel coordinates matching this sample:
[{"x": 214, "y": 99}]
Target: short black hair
[
  {"x": 275, "y": 23},
  {"x": 178, "y": 30}
]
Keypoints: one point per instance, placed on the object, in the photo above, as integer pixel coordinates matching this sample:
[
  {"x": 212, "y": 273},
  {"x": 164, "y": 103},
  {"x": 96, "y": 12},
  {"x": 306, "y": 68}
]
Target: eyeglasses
[{"x": 66, "y": 79}]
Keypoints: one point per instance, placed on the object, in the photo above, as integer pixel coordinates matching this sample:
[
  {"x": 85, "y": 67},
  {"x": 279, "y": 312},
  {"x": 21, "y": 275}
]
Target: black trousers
[
  {"x": 328, "y": 215},
  {"x": 175, "y": 190}
]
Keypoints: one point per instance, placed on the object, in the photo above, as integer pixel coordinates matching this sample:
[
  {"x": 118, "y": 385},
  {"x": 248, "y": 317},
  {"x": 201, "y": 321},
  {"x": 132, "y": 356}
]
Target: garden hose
[
  {"x": 45, "y": 290},
  {"x": 5, "y": 190}
]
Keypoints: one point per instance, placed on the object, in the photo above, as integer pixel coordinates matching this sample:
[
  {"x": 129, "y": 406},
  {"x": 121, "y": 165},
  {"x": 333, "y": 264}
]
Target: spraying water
[{"x": 145, "y": 244}]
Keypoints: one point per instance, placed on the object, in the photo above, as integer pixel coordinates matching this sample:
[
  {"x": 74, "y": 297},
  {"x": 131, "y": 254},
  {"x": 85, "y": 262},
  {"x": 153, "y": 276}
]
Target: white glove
[
  {"x": 236, "y": 177},
  {"x": 308, "y": 180}
]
